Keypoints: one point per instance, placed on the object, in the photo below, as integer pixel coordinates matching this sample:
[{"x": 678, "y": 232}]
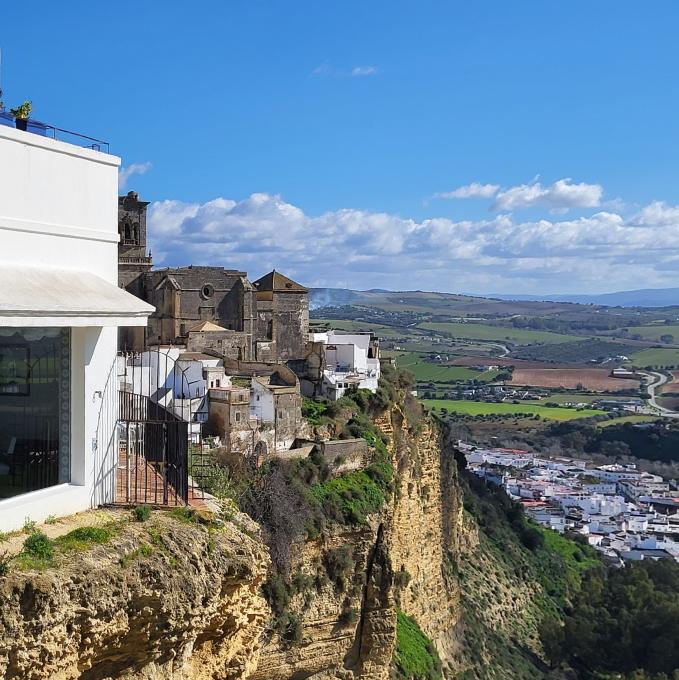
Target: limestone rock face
[
  {"x": 190, "y": 605},
  {"x": 417, "y": 538},
  {"x": 424, "y": 531},
  {"x": 187, "y": 606}
]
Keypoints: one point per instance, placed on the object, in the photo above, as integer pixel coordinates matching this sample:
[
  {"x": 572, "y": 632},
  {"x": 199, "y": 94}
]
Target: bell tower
[{"x": 133, "y": 259}]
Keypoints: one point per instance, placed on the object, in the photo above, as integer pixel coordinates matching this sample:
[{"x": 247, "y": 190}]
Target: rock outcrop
[{"x": 166, "y": 599}]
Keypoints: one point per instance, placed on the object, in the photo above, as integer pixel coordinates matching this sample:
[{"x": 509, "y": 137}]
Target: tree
[{"x": 667, "y": 338}]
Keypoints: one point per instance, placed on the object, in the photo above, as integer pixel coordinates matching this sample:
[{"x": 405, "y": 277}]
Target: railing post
[
  {"x": 164, "y": 464},
  {"x": 127, "y": 463}
]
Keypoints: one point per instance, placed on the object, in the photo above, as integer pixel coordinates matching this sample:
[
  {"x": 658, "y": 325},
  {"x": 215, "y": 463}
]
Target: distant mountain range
[{"x": 645, "y": 297}]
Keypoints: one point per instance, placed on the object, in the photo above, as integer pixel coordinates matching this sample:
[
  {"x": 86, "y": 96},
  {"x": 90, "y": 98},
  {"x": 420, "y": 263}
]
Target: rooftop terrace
[{"x": 37, "y": 127}]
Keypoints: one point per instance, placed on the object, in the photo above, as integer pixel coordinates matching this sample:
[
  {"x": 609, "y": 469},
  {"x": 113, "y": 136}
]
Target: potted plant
[{"x": 21, "y": 114}]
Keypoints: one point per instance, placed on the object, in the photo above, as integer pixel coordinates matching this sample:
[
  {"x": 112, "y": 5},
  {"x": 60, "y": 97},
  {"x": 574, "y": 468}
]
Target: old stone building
[
  {"x": 266, "y": 321},
  {"x": 133, "y": 259},
  {"x": 282, "y": 310}
]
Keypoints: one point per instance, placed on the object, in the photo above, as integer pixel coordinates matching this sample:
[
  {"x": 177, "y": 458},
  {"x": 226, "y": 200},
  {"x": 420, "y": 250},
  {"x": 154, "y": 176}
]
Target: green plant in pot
[{"x": 21, "y": 114}]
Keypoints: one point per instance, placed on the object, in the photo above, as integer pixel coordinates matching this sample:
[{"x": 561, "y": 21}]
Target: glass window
[{"x": 35, "y": 409}]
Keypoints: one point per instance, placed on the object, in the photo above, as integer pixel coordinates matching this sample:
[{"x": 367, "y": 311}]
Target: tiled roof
[{"x": 274, "y": 281}]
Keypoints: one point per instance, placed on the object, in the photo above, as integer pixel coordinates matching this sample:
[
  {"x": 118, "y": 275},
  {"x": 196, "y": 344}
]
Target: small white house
[
  {"x": 60, "y": 309},
  {"x": 351, "y": 362}
]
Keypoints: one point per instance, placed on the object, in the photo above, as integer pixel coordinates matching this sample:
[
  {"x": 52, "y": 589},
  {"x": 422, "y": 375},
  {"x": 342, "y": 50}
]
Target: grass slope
[
  {"x": 515, "y": 336},
  {"x": 424, "y": 370},
  {"x": 477, "y": 408},
  {"x": 660, "y": 357}
]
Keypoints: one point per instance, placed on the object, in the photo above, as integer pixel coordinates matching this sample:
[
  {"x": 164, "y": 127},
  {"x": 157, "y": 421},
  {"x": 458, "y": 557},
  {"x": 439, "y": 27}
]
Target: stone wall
[{"x": 228, "y": 344}]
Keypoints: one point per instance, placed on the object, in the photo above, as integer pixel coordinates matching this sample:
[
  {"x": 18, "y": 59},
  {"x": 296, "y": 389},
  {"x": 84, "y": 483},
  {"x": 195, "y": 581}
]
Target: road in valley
[{"x": 656, "y": 380}]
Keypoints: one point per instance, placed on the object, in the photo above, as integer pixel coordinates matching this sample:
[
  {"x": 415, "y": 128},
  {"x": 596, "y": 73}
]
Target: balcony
[{"x": 44, "y": 130}]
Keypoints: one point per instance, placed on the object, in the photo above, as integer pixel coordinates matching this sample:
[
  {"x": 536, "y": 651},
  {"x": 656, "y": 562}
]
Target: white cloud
[
  {"x": 364, "y": 71},
  {"x": 562, "y": 195},
  {"x": 657, "y": 213},
  {"x": 361, "y": 71},
  {"x": 473, "y": 190},
  {"x": 362, "y": 249},
  {"x": 134, "y": 169}
]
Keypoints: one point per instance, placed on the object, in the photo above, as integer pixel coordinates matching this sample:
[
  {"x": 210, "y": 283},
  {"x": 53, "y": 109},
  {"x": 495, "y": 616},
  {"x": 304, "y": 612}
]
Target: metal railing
[{"x": 61, "y": 134}]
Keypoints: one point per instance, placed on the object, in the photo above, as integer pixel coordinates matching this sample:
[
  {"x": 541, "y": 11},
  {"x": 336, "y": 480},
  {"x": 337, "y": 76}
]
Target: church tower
[{"x": 133, "y": 259}]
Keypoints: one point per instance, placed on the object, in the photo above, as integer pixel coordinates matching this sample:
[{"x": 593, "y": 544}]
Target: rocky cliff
[
  {"x": 167, "y": 598},
  {"x": 170, "y": 598}
]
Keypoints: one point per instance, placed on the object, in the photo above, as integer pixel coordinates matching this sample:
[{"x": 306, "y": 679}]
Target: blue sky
[{"x": 331, "y": 140}]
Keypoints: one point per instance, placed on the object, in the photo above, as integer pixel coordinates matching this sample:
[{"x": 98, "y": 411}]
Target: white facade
[
  {"x": 177, "y": 380},
  {"x": 350, "y": 362},
  {"x": 58, "y": 262}
]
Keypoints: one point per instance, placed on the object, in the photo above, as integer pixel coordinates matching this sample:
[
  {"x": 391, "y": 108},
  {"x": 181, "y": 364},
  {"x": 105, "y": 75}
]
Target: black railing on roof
[{"x": 37, "y": 127}]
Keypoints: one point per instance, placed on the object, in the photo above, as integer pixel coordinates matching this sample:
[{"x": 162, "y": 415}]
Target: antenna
[{"x": 0, "y": 73}]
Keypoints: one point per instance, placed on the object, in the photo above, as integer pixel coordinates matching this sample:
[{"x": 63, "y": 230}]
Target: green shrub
[
  {"x": 349, "y": 498},
  {"x": 315, "y": 411},
  {"x": 83, "y": 538},
  {"x": 38, "y": 545},
  {"x": 276, "y": 593},
  {"x": 415, "y": 656},
  {"x": 339, "y": 565},
  {"x": 141, "y": 513},
  {"x": 184, "y": 514},
  {"x": 290, "y": 628}
]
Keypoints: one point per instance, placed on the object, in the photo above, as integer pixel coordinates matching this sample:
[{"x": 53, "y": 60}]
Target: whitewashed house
[
  {"x": 60, "y": 309},
  {"x": 351, "y": 361},
  {"x": 177, "y": 380}
]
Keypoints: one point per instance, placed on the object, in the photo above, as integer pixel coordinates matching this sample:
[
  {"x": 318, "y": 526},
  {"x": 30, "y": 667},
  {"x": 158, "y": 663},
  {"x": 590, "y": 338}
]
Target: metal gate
[{"x": 157, "y": 427}]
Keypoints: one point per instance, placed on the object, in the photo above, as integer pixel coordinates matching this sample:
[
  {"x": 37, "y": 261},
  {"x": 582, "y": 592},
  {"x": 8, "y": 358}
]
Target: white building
[
  {"x": 351, "y": 362},
  {"x": 60, "y": 307},
  {"x": 177, "y": 380}
]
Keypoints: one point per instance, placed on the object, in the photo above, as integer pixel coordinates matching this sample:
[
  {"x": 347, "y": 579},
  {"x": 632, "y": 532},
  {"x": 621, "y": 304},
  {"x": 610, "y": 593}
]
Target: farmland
[
  {"x": 428, "y": 371},
  {"x": 655, "y": 332},
  {"x": 633, "y": 418},
  {"x": 592, "y": 379},
  {"x": 660, "y": 357},
  {"x": 576, "y": 398},
  {"x": 474, "y": 408},
  {"x": 514, "y": 336}
]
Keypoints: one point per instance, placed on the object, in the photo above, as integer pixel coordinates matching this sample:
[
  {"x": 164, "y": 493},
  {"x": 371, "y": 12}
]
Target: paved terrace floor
[{"x": 141, "y": 482}]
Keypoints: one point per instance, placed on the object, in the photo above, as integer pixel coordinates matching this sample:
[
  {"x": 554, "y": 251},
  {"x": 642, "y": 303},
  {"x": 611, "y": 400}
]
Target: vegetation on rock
[{"x": 415, "y": 657}]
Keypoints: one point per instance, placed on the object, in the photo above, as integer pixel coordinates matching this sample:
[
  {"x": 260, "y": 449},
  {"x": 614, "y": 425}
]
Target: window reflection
[{"x": 34, "y": 409}]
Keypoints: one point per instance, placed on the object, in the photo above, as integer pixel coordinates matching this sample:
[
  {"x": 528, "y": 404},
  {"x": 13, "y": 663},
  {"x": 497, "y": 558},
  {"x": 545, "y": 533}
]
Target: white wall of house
[
  {"x": 347, "y": 363},
  {"x": 58, "y": 212},
  {"x": 59, "y": 205},
  {"x": 261, "y": 402}
]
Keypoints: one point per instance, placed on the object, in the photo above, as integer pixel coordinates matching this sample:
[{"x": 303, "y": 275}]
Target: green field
[
  {"x": 633, "y": 418},
  {"x": 576, "y": 398},
  {"x": 655, "y": 331},
  {"x": 423, "y": 370},
  {"x": 515, "y": 336},
  {"x": 477, "y": 408},
  {"x": 660, "y": 357}
]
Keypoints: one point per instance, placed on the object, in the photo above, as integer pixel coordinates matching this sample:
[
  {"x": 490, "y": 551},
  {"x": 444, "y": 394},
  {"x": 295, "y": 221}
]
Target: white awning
[{"x": 58, "y": 297}]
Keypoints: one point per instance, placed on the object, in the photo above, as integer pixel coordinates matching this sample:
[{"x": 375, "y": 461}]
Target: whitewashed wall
[{"x": 58, "y": 209}]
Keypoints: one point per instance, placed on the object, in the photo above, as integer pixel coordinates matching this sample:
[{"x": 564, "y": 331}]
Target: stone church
[{"x": 209, "y": 308}]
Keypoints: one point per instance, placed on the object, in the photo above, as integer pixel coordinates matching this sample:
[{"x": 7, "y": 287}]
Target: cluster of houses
[
  {"x": 625, "y": 513},
  {"x": 208, "y": 350}
]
